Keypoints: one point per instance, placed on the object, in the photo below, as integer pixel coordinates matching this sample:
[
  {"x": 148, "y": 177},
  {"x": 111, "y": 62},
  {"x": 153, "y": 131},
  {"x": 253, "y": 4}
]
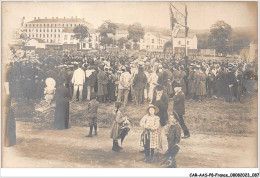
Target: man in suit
[
  {"x": 139, "y": 84},
  {"x": 179, "y": 108}
]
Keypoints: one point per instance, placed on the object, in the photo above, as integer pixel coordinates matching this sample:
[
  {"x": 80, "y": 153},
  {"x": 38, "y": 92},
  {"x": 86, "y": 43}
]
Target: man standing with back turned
[
  {"x": 78, "y": 80},
  {"x": 179, "y": 108}
]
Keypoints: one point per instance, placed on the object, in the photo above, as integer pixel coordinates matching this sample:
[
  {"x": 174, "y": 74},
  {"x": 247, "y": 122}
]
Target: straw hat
[{"x": 156, "y": 109}]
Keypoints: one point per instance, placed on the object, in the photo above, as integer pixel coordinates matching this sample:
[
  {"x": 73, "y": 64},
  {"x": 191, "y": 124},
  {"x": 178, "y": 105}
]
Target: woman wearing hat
[
  {"x": 116, "y": 127},
  {"x": 150, "y": 136}
]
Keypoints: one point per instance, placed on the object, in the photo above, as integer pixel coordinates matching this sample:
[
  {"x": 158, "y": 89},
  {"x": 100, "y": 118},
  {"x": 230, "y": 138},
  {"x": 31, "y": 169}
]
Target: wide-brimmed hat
[
  {"x": 118, "y": 104},
  {"x": 156, "y": 109}
]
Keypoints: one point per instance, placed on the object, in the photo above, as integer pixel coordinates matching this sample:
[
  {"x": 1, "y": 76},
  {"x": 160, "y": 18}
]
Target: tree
[
  {"x": 219, "y": 37},
  {"x": 106, "y": 28},
  {"x": 136, "y": 32},
  {"x": 122, "y": 42},
  {"x": 80, "y": 33},
  {"x": 203, "y": 40},
  {"x": 167, "y": 46}
]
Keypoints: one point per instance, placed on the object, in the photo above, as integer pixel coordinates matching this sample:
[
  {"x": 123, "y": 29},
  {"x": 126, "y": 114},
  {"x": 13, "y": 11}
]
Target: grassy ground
[
  {"x": 209, "y": 116},
  {"x": 223, "y": 135}
]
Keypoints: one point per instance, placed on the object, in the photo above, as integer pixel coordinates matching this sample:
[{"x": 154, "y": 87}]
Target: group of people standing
[{"x": 99, "y": 79}]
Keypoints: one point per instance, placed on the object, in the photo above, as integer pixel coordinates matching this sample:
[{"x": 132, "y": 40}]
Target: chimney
[{"x": 34, "y": 18}]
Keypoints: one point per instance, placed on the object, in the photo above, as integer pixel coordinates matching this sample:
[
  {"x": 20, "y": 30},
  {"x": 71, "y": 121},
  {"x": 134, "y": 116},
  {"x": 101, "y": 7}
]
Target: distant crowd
[{"x": 130, "y": 78}]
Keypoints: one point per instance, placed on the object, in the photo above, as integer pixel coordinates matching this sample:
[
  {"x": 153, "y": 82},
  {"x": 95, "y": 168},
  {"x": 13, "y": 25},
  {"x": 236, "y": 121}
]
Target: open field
[{"x": 222, "y": 135}]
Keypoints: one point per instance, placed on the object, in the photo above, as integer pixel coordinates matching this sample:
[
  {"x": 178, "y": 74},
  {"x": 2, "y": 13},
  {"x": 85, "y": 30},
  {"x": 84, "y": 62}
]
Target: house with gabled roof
[
  {"x": 153, "y": 42},
  {"x": 191, "y": 40}
]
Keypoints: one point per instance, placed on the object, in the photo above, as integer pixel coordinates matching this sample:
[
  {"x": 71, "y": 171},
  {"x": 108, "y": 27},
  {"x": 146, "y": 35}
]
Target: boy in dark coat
[
  {"x": 92, "y": 109},
  {"x": 173, "y": 133}
]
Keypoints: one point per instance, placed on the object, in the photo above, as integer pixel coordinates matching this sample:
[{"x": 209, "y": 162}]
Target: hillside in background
[{"x": 241, "y": 36}]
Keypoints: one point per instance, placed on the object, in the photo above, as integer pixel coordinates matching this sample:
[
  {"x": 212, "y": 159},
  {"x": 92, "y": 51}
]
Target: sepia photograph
[{"x": 167, "y": 84}]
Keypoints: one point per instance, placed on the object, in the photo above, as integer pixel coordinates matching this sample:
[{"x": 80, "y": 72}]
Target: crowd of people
[{"x": 124, "y": 79}]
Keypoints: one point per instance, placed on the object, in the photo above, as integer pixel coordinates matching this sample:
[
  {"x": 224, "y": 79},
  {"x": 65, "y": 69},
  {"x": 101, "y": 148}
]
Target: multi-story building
[
  {"x": 56, "y": 30},
  {"x": 91, "y": 42},
  {"x": 179, "y": 42},
  {"x": 153, "y": 42}
]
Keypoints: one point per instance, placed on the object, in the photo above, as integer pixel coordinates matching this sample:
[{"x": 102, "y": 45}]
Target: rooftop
[
  {"x": 158, "y": 35},
  {"x": 70, "y": 30},
  {"x": 58, "y": 20},
  {"x": 181, "y": 34}
]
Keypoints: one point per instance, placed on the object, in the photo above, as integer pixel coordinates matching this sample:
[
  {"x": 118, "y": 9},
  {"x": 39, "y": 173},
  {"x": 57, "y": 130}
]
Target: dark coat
[
  {"x": 10, "y": 128},
  {"x": 92, "y": 79},
  {"x": 102, "y": 80},
  {"x": 173, "y": 137},
  {"x": 61, "y": 120},
  {"x": 140, "y": 80},
  {"x": 179, "y": 103},
  {"x": 162, "y": 104},
  {"x": 231, "y": 78}
]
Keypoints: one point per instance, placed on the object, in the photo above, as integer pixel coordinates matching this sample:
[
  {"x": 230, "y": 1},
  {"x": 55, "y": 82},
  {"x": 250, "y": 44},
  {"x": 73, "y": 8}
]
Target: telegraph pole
[{"x": 186, "y": 30}]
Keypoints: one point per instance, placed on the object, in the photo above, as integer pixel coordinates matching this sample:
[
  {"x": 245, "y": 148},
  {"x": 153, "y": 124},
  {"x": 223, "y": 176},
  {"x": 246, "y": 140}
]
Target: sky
[{"x": 201, "y": 14}]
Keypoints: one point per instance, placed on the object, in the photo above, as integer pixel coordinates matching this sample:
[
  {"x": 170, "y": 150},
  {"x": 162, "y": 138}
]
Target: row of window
[
  {"x": 152, "y": 47},
  {"x": 148, "y": 40},
  {"x": 43, "y": 35},
  {"x": 43, "y": 30},
  {"x": 52, "y": 25},
  {"x": 66, "y": 37},
  {"x": 179, "y": 42},
  {"x": 52, "y": 41}
]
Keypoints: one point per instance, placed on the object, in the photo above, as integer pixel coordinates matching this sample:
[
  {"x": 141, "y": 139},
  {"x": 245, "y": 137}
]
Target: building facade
[
  {"x": 91, "y": 42},
  {"x": 57, "y": 30},
  {"x": 153, "y": 42},
  {"x": 178, "y": 42}
]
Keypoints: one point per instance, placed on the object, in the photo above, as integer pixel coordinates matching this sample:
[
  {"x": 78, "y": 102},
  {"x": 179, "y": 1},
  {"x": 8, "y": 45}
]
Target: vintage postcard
[{"x": 130, "y": 84}]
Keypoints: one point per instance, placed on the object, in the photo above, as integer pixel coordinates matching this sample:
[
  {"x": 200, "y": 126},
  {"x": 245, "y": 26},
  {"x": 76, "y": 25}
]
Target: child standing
[
  {"x": 92, "y": 109},
  {"x": 173, "y": 134},
  {"x": 150, "y": 136},
  {"x": 117, "y": 126}
]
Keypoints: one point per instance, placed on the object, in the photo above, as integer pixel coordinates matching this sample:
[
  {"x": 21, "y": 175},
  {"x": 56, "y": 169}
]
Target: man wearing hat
[
  {"x": 139, "y": 84},
  {"x": 102, "y": 81},
  {"x": 232, "y": 82},
  {"x": 179, "y": 108},
  {"x": 124, "y": 85}
]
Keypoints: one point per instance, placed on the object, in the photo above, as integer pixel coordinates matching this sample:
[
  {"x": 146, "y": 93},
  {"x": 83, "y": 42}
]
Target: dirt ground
[{"x": 222, "y": 135}]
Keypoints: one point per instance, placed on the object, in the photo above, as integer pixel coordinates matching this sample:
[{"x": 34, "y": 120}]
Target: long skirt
[
  {"x": 10, "y": 128},
  {"x": 111, "y": 91},
  {"x": 61, "y": 120}
]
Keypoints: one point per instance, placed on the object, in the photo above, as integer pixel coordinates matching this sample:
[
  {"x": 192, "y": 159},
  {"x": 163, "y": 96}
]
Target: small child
[
  {"x": 173, "y": 133},
  {"x": 92, "y": 109},
  {"x": 49, "y": 90}
]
